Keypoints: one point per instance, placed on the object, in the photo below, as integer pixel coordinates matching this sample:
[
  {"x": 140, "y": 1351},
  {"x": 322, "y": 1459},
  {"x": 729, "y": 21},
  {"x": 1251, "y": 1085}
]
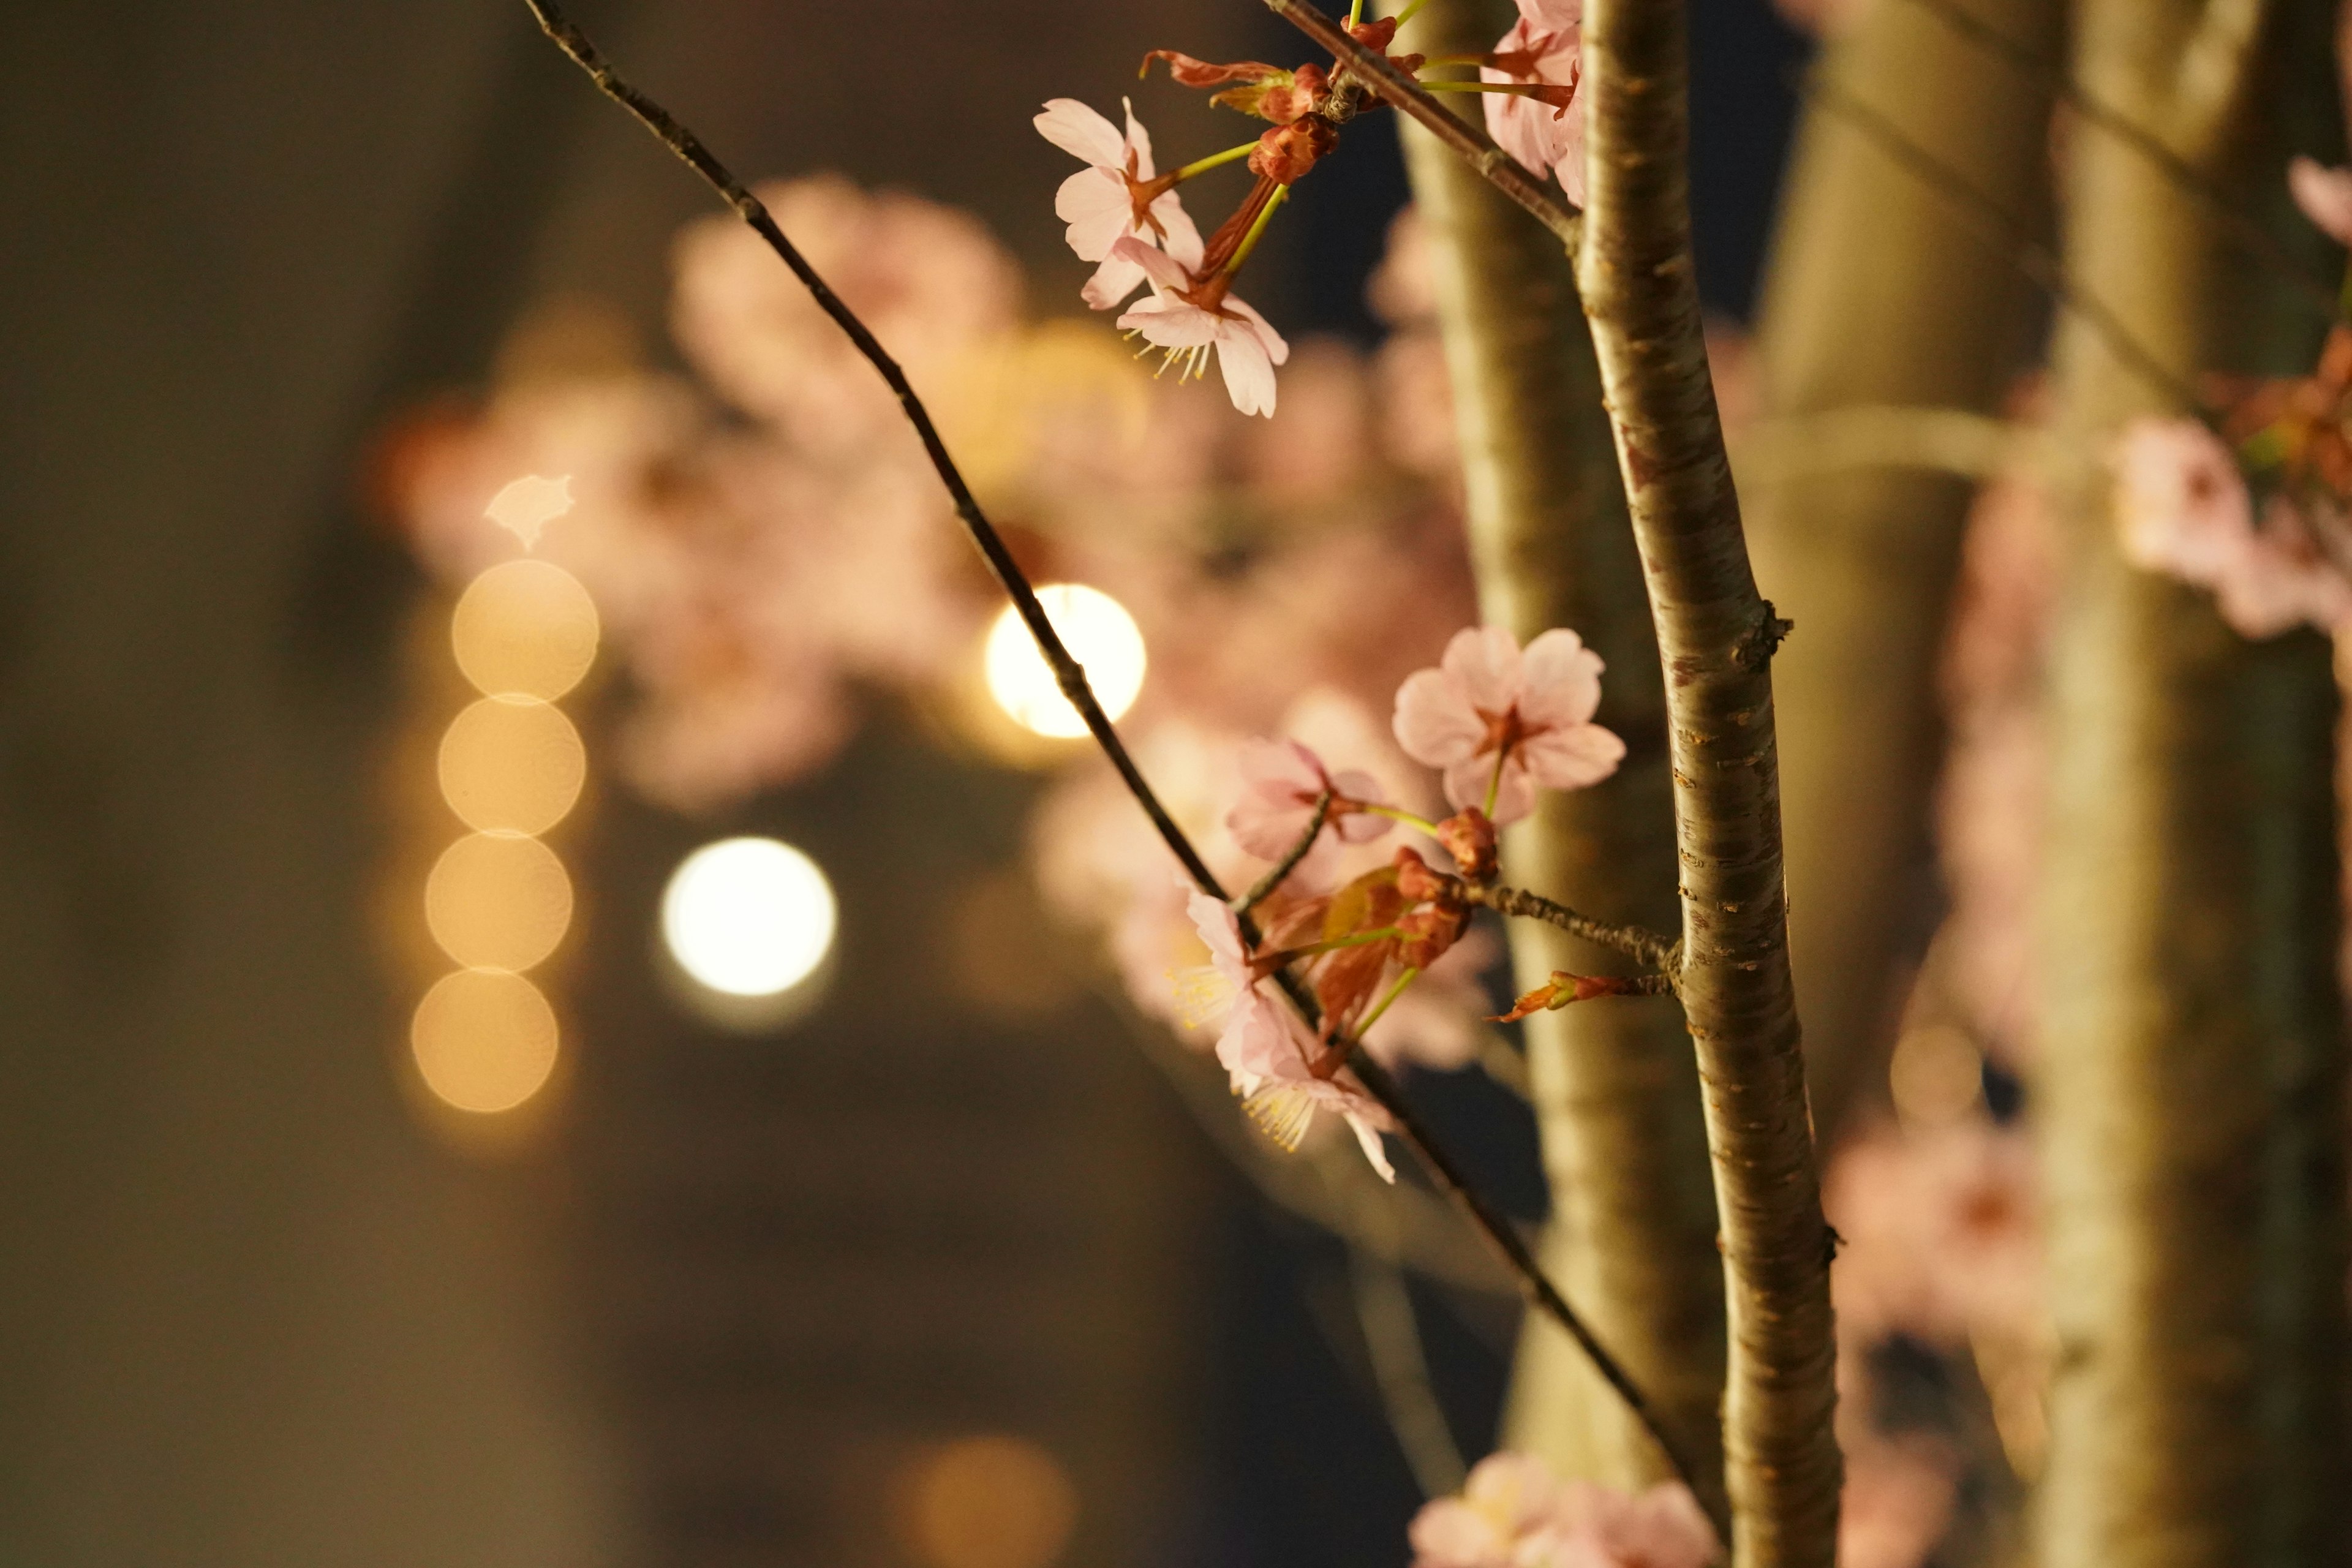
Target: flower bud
[{"x": 1469, "y": 836}]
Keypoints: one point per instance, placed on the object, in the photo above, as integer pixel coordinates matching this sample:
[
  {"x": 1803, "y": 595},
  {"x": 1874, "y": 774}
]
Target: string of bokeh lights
[{"x": 747, "y": 924}]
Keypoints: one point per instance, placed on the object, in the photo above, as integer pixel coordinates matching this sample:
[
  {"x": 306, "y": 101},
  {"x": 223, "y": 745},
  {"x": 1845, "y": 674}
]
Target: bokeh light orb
[
  {"x": 485, "y": 1040},
  {"x": 498, "y": 900},
  {"x": 525, "y": 628},
  {"x": 511, "y": 764},
  {"x": 1099, "y": 634},
  {"x": 748, "y": 917},
  {"x": 992, "y": 1501}
]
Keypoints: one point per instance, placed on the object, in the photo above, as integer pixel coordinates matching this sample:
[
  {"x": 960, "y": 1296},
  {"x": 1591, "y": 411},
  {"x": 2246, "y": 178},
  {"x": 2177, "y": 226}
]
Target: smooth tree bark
[
  {"x": 1632, "y": 1233},
  {"x": 1715, "y": 640},
  {"x": 2191, "y": 1087},
  {"x": 1882, "y": 294}
]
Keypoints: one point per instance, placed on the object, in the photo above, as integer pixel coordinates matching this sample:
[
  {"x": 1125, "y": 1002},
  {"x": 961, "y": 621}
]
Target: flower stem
[
  {"x": 1249, "y": 240},
  {"x": 1408, "y": 13},
  {"x": 1213, "y": 161},
  {"x": 1380, "y": 1006},
  {"x": 1494, "y": 780},
  {"x": 1514, "y": 88},
  {"x": 1283, "y": 868},
  {"x": 1397, "y": 813},
  {"x": 1288, "y": 955}
]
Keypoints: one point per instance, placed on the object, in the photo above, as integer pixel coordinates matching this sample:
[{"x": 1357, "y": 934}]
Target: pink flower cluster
[
  {"x": 2184, "y": 508},
  {"x": 1513, "y": 1512},
  {"x": 1545, "y": 47}
]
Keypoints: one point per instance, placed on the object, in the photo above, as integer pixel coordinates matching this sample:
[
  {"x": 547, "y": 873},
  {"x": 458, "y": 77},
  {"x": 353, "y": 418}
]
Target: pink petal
[
  {"x": 1572, "y": 757},
  {"x": 1434, "y": 724},
  {"x": 1360, "y": 826},
  {"x": 1484, "y": 661},
  {"x": 1096, "y": 207},
  {"x": 1113, "y": 282},
  {"x": 1219, "y": 929},
  {"x": 1170, "y": 323},
  {"x": 2325, "y": 195},
  {"x": 1466, "y": 781},
  {"x": 1138, "y": 140},
  {"x": 1551, "y": 16},
  {"x": 1159, "y": 266},
  {"x": 1567, "y": 162},
  {"x": 1517, "y": 796},
  {"x": 1450, "y": 1533},
  {"x": 1368, "y": 1138},
  {"x": 1082, "y": 133},
  {"x": 1181, "y": 240},
  {"x": 1559, "y": 680},
  {"x": 1271, "y": 341},
  {"x": 1249, "y": 374}
]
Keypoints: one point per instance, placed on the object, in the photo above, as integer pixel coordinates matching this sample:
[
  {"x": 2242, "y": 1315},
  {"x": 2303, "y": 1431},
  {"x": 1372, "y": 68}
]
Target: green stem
[
  {"x": 1395, "y": 991},
  {"x": 1514, "y": 88},
  {"x": 1494, "y": 781},
  {"x": 1213, "y": 161},
  {"x": 1290, "y": 955},
  {"x": 1397, "y": 814},
  {"x": 1256, "y": 229}
]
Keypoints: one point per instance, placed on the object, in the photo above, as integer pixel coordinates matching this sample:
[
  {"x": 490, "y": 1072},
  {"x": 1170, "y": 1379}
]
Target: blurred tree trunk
[
  {"x": 2191, "y": 1085},
  {"x": 1881, "y": 293},
  {"x": 1632, "y": 1238}
]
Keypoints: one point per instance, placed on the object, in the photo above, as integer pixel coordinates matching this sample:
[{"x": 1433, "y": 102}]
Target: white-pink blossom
[
  {"x": 2325, "y": 195},
  {"x": 1098, "y": 201},
  {"x": 1247, "y": 347},
  {"x": 1501, "y": 721},
  {"x": 1544, "y": 46},
  {"x": 1267, "y": 1048},
  {"x": 1513, "y": 1512},
  {"x": 1281, "y": 782}
]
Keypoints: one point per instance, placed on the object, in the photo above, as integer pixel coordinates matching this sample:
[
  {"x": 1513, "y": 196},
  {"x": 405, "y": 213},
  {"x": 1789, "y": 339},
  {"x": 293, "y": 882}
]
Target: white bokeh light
[
  {"x": 1099, "y": 634},
  {"x": 748, "y": 917}
]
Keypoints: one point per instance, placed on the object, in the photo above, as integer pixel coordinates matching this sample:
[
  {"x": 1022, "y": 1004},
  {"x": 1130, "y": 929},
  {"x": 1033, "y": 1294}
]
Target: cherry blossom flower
[
  {"x": 1265, "y": 1047},
  {"x": 1501, "y": 721},
  {"x": 1544, "y": 47},
  {"x": 1282, "y": 781},
  {"x": 2325, "y": 195},
  {"x": 1513, "y": 1512},
  {"x": 2183, "y": 508},
  {"x": 1117, "y": 197},
  {"x": 1188, "y": 320}
]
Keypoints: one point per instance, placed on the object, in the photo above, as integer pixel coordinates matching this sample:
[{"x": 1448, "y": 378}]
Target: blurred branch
[
  {"x": 1956, "y": 441},
  {"x": 2240, "y": 226},
  {"x": 2032, "y": 258},
  {"x": 1391, "y": 1330}
]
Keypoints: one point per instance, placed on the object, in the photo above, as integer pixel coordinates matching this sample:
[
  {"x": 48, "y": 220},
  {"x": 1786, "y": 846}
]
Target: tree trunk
[
  {"x": 1882, "y": 293},
  {"x": 2191, "y": 1087},
  {"x": 1632, "y": 1237}
]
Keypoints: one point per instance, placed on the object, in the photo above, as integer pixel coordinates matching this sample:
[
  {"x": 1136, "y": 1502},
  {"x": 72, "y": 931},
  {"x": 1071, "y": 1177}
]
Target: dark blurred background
[{"x": 258, "y": 1304}]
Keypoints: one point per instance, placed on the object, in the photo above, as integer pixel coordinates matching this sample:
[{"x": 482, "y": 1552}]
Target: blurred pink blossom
[
  {"x": 1282, "y": 781},
  {"x": 2184, "y": 509},
  {"x": 1942, "y": 1234},
  {"x": 1246, "y": 346},
  {"x": 1898, "y": 1501},
  {"x": 1494, "y": 718},
  {"x": 1513, "y": 1512},
  {"x": 1099, "y": 202},
  {"x": 2325, "y": 195},
  {"x": 1545, "y": 45}
]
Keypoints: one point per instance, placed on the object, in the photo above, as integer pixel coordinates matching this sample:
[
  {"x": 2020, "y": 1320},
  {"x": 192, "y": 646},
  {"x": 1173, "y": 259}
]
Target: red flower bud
[
  {"x": 1287, "y": 152},
  {"x": 1427, "y": 933},
  {"x": 1469, "y": 838},
  {"x": 1418, "y": 881}
]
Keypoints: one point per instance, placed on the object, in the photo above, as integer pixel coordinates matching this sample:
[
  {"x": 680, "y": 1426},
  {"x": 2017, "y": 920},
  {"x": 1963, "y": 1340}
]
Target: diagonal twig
[
  {"x": 1497, "y": 1228},
  {"x": 1401, "y": 93}
]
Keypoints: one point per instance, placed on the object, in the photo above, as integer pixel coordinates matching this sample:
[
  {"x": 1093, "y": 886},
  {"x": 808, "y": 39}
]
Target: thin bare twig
[
  {"x": 1497, "y": 1228},
  {"x": 2238, "y": 226},
  {"x": 1265, "y": 885},
  {"x": 2035, "y": 259},
  {"x": 1656, "y": 949},
  {"x": 1401, "y": 93}
]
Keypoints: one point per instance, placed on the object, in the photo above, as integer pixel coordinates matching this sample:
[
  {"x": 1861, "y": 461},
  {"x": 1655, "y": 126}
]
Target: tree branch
[
  {"x": 1715, "y": 639},
  {"x": 1652, "y": 948},
  {"x": 1491, "y": 1223},
  {"x": 1404, "y": 95}
]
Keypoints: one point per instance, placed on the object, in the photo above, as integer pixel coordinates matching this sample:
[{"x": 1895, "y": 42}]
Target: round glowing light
[
  {"x": 484, "y": 1039},
  {"x": 498, "y": 900},
  {"x": 526, "y": 628},
  {"x": 511, "y": 764},
  {"x": 988, "y": 1502},
  {"x": 1099, "y": 634},
  {"x": 749, "y": 916}
]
